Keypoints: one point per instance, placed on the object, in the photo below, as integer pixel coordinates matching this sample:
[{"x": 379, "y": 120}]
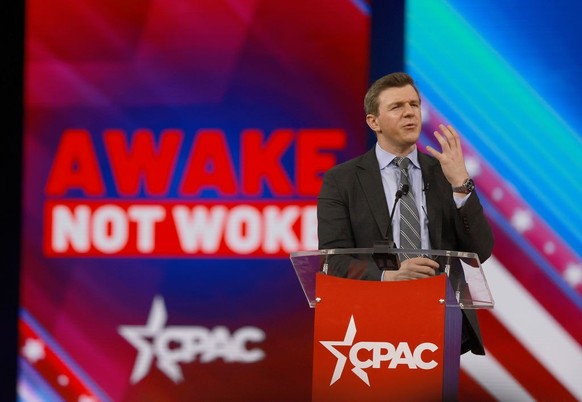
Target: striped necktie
[{"x": 409, "y": 217}]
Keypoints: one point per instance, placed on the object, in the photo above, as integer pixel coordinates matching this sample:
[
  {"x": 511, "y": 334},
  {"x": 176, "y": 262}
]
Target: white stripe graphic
[
  {"x": 492, "y": 376},
  {"x": 534, "y": 327}
]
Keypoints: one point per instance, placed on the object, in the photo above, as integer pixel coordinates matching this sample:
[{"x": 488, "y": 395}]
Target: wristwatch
[{"x": 467, "y": 187}]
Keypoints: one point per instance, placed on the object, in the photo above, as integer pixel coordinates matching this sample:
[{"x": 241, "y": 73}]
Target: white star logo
[
  {"x": 173, "y": 345},
  {"x": 341, "y": 359},
  {"x": 139, "y": 337}
]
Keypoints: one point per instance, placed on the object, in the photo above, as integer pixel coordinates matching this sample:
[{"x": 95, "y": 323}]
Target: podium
[{"x": 379, "y": 341}]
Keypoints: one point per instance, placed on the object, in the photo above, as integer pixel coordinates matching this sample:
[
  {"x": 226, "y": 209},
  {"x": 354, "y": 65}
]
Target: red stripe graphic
[{"x": 51, "y": 367}]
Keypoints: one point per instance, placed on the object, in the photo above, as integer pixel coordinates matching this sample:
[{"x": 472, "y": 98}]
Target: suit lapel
[
  {"x": 371, "y": 183},
  {"x": 434, "y": 199}
]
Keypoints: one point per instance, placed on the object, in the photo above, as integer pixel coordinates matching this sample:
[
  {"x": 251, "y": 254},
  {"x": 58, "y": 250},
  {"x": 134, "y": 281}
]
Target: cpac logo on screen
[
  {"x": 379, "y": 352},
  {"x": 182, "y": 344}
]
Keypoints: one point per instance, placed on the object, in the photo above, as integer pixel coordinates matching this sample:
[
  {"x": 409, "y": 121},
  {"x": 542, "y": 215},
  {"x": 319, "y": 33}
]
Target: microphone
[
  {"x": 403, "y": 191},
  {"x": 426, "y": 187},
  {"x": 384, "y": 259}
]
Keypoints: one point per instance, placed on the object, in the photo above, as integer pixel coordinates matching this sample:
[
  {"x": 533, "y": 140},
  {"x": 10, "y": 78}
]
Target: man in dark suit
[{"x": 355, "y": 199}]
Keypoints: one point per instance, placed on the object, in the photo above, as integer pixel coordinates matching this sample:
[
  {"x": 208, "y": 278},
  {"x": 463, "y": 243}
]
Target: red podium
[{"x": 379, "y": 341}]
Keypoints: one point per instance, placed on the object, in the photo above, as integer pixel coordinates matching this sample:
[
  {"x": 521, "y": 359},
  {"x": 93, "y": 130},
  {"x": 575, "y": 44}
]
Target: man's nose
[{"x": 408, "y": 109}]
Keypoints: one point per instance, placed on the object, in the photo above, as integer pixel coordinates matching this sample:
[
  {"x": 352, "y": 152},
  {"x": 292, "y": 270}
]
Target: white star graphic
[
  {"x": 33, "y": 350},
  {"x": 63, "y": 380},
  {"x": 341, "y": 359},
  {"x": 522, "y": 220},
  {"x": 573, "y": 274},
  {"x": 473, "y": 166},
  {"x": 549, "y": 247},
  {"x": 139, "y": 337},
  {"x": 497, "y": 193}
]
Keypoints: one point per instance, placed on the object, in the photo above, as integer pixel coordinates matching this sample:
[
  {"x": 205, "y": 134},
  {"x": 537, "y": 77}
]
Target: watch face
[{"x": 467, "y": 187}]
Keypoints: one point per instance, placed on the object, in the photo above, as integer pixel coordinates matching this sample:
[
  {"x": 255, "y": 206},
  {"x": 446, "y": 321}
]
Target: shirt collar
[{"x": 385, "y": 158}]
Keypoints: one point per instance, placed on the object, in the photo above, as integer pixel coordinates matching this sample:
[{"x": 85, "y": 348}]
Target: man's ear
[{"x": 372, "y": 122}]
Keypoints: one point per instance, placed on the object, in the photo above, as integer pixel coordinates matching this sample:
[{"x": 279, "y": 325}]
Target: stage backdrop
[
  {"x": 508, "y": 75},
  {"x": 174, "y": 150},
  {"x": 173, "y": 153}
]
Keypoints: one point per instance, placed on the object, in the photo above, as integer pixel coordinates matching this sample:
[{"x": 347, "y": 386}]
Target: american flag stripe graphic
[
  {"x": 534, "y": 348},
  {"x": 52, "y": 366}
]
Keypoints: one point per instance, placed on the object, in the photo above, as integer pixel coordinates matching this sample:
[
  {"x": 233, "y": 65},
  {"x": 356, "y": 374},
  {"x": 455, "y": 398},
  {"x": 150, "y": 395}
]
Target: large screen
[
  {"x": 508, "y": 76},
  {"x": 173, "y": 155}
]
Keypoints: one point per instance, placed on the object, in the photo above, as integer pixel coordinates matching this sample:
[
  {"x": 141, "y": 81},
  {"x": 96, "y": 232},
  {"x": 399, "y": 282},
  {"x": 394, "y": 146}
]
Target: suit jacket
[{"x": 352, "y": 212}]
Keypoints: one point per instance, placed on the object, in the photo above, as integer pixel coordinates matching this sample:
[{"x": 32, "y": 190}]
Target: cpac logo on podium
[{"x": 380, "y": 352}]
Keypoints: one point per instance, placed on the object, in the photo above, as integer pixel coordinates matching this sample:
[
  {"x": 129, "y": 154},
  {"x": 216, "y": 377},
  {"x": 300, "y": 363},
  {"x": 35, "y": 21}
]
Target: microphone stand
[{"x": 384, "y": 257}]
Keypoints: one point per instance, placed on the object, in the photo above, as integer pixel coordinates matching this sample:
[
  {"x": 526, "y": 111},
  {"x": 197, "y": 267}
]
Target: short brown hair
[{"x": 393, "y": 80}]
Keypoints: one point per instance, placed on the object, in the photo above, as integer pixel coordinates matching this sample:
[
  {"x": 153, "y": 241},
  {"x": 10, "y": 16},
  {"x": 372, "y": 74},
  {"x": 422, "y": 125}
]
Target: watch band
[{"x": 467, "y": 187}]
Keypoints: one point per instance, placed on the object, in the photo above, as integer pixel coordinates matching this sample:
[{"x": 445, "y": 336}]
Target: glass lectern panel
[{"x": 463, "y": 269}]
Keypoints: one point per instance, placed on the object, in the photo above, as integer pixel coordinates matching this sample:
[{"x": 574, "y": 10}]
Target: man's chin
[{"x": 412, "y": 136}]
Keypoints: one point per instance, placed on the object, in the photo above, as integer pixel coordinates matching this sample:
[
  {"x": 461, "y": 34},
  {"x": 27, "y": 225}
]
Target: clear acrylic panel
[{"x": 463, "y": 269}]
